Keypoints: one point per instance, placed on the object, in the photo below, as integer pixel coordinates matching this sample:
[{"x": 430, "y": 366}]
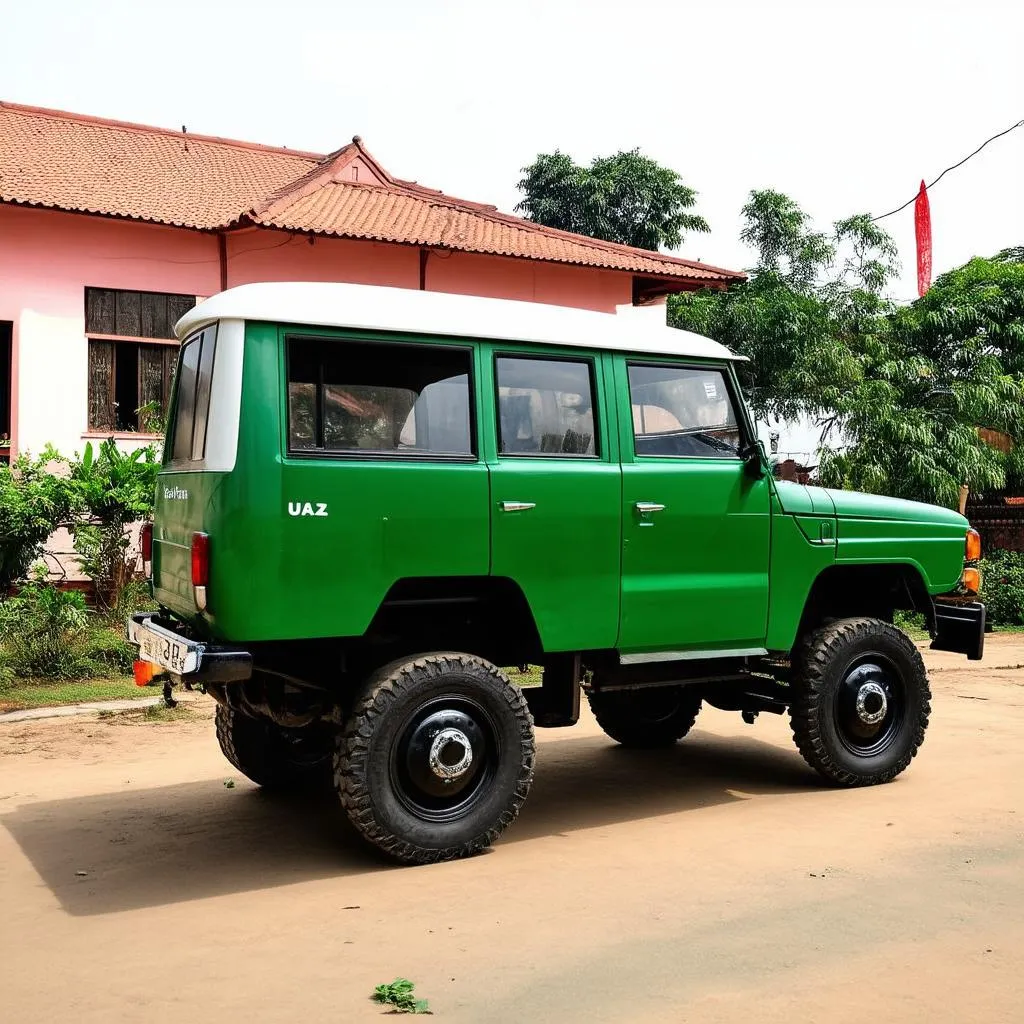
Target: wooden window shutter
[
  {"x": 155, "y": 323},
  {"x": 151, "y": 387},
  {"x": 99, "y": 311},
  {"x": 101, "y": 385},
  {"x": 128, "y": 315}
]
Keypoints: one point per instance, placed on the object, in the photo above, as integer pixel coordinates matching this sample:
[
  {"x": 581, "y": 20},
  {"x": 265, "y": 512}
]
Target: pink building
[{"x": 109, "y": 231}]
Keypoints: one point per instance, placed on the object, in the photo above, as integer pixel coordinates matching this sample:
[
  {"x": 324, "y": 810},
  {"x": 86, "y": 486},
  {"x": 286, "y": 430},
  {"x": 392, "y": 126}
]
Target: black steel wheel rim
[
  {"x": 444, "y": 758},
  {"x": 870, "y": 705}
]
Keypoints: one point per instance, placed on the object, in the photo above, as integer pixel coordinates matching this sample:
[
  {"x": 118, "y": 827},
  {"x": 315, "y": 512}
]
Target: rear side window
[
  {"x": 192, "y": 396},
  {"x": 352, "y": 397},
  {"x": 683, "y": 412},
  {"x": 545, "y": 407}
]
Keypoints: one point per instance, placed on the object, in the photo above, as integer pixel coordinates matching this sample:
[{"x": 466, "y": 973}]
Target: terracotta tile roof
[{"x": 72, "y": 162}]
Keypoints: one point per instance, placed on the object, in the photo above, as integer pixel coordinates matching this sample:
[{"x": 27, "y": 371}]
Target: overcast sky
[{"x": 845, "y": 106}]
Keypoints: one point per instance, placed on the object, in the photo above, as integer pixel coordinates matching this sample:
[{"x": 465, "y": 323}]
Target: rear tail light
[
  {"x": 144, "y": 671},
  {"x": 972, "y": 547},
  {"x": 146, "y": 543},
  {"x": 200, "y": 568}
]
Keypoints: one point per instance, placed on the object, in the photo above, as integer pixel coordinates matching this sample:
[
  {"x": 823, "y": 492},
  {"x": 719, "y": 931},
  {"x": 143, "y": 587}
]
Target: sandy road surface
[{"x": 713, "y": 882}]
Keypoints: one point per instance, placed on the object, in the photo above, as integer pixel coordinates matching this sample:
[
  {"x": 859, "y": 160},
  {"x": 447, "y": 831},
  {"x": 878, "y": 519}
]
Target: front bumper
[
  {"x": 191, "y": 661},
  {"x": 960, "y": 627}
]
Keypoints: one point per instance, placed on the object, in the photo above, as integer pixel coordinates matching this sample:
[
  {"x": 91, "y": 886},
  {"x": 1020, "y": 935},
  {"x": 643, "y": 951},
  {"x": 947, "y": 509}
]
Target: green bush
[
  {"x": 108, "y": 652},
  {"x": 33, "y": 503},
  {"x": 44, "y": 632},
  {"x": 110, "y": 490},
  {"x": 1003, "y": 587}
]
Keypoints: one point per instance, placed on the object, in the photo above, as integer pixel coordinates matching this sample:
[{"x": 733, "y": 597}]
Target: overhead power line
[{"x": 951, "y": 168}]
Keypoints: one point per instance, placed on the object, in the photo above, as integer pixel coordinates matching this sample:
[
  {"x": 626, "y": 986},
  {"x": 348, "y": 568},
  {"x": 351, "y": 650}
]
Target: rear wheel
[
  {"x": 273, "y": 757},
  {"x": 861, "y": 701},
  {"x": 436, "y": 758},
  {"x": 647, "y": 718}
]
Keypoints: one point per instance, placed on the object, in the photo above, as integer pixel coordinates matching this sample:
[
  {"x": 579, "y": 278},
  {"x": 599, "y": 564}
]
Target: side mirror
[{"x": 753, "y": 457}]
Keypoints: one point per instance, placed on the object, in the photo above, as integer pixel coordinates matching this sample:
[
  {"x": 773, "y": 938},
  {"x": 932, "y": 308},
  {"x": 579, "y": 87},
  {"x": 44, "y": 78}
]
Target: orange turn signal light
[
  {"x": 144, "y": 672},
  {"x": 971, "y": 580},
  {"x": 972, "y": 546}
]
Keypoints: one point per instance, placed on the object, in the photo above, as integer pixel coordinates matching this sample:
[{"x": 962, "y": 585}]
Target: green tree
[
  {"x": 625, "y": 198},
  {"x": 33, "y": 503},
  {"x": 899, "y": 393},
  {"x": 811, "y": 305},
  {"x": 110, "y": 490},
  {"x": 950, "y": 363}
]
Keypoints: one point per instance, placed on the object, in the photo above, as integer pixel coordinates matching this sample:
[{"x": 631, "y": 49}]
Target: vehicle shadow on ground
[{"x": 151, "y": 847}]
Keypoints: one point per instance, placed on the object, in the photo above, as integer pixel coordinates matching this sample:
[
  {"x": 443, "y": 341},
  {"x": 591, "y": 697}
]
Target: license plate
[{"x": 163, "y": 649}]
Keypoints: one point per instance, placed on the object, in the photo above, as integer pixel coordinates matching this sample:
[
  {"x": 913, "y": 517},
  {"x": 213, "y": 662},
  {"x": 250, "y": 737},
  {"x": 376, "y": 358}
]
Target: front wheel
[
  {"x": 860, "y": 701},
  {"x": 436, "y": 758}
]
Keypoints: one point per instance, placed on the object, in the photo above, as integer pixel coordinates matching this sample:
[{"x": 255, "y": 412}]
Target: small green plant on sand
[{"x": 398, "y": 994}]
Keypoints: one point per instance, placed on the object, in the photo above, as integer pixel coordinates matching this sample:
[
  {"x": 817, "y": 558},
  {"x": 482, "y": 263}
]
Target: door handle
[
  {"x": 643, "y": 507},
  {"x": 517, "y": 506}
]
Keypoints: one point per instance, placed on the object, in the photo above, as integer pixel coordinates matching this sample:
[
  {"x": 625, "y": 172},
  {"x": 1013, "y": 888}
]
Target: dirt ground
[{"x": 714, "y": 882}]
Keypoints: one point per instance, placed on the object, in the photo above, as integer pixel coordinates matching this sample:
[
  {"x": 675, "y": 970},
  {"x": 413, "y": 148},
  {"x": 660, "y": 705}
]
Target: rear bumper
[
  {"x": 213, "y": 663},
  {"x": 960, "y": 628}
]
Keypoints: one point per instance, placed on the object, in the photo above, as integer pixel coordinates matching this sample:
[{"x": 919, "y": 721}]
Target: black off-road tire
[
  {"x": 646, "y": 719},
  {"x": 831, "y": 667},
  {"x": 275, "y": 758},
  {"x": 388, "y": 785}
]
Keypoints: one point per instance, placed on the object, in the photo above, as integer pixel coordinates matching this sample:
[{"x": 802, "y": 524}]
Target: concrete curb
[
  {"x": 67, "y": 710},
  {"x": 93, "y": 707}
]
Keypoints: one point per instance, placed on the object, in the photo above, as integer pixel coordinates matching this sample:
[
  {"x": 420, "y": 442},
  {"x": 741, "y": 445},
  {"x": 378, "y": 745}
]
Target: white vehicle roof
[{"x": 407, "y": 311}]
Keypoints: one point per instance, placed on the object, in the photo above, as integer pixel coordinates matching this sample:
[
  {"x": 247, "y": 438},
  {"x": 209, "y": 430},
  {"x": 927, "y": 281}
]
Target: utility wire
[{"x": 948, "y": 169}]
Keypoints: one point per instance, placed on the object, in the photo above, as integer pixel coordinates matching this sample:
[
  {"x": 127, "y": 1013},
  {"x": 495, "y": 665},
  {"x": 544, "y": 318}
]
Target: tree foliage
[
  {"x": 110, "y": 490},
  {"x": 33, "y": 503},
  {"x": 811, "y": 302},
  {"x": 899, "y": 393},
  {"x": 952, "y": 362},
  {"x": 625, "y": 198}
]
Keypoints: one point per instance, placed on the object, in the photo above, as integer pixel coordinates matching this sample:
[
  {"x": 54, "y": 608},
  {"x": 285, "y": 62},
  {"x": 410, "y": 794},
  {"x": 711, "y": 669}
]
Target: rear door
[
  {"x": 696, "y": 522},
  {"x": 381, "y": 478},
  {"x": 555, "y": 491},
  {"x": 185, "y": 487}
]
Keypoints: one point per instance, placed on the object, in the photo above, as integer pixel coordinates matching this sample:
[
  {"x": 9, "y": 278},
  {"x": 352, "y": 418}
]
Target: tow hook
[
  {"x": 169, "y": 701},
  {"x": 750, "y": 717}
]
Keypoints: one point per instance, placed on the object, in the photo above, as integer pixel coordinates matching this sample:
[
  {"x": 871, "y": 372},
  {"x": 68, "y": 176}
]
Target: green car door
[
  {"x": 556, "y": 491},
  {"x": 696, "y": 527}
]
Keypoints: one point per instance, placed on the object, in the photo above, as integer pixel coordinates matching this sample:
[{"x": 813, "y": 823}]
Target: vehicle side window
[
  {"x": 545, "y": 406},
  {"x": 682, "y": 412},
  {"x": 192, "y": 402},
  {"x": 379, "y": 399}
]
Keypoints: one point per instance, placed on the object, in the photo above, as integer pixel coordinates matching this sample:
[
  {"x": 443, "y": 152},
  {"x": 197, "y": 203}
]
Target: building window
[
  {"x": 359, "y": 398},
  {"x": 545, "y": 407},
  {"x": 129, "y": 377}
]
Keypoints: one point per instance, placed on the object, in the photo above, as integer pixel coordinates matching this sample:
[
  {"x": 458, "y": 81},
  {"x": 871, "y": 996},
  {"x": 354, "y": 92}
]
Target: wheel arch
[
  {"x": 488, "y": 616},
  {"x": 872, "y": 590}
]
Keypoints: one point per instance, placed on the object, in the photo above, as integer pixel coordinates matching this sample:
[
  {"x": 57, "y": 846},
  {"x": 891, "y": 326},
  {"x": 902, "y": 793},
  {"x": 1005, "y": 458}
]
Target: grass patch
[
  {"x": 533, "y": 676},
  {"x": 35, "y": 693},
  {"x": 161, "y": 713}
]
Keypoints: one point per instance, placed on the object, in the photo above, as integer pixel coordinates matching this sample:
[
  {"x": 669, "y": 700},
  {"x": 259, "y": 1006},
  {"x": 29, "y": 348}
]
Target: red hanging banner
[{"x": 923, "y": 233}]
